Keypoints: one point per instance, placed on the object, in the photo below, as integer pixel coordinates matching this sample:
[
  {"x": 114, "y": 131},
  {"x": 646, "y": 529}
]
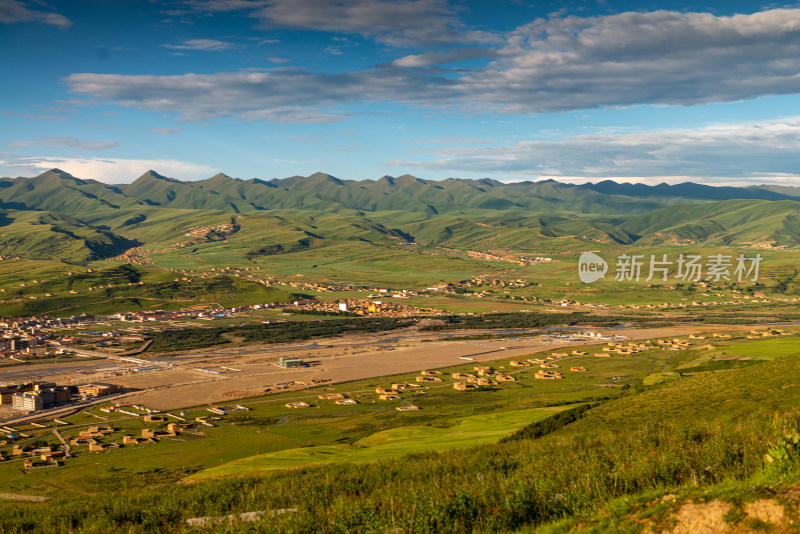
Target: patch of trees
[
  {"x": 527, "y": 320},
  {"x": 195, "y": 338},
  {"x": 541, "y": 428}
]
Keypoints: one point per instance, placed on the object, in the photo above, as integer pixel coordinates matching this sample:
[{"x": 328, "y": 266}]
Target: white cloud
[
  {"x": 108, "y": 170},
  {"x": 400, "y": 23},
  {"x": 439, "y": 58},
  {"x": 290, "y": 115},
  {"x": 12, "y": 11},
  {"x": 562, "y": 64},
  {"x": 198, "y": 96},
  {"x": 746, "y": 152},
  {"x": 450, "y": 141},
  {"x": 166, "y": 131},
  {"x": 71, "y": 142},
  {"x": 393, "y": 22},
  {"x": 205, "y": 45},
  {"x": 662, "y": 57},
  {"x": 32, "y": 115}
]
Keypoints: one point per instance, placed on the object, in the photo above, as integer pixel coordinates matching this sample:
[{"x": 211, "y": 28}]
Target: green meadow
[
  {"x": 696, "y": 438},
  {"x": 766, "y": 349},
  {"x": 182, "y": 277},
  {"x": 269, "y": 436},
  {"x": 467, "y": 432}
]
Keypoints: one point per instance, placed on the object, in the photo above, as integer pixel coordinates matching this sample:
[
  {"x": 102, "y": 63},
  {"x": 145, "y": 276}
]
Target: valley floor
[{"x": 332, "y": 360}]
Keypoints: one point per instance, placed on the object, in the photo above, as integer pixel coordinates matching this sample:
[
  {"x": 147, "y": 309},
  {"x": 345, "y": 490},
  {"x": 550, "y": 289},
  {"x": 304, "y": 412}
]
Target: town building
[{"x": 97, "y": 390}]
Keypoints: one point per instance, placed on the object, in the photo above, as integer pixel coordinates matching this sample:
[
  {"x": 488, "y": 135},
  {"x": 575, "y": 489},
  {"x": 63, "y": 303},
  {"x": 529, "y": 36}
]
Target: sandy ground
[{"x": 246, "y": 371}]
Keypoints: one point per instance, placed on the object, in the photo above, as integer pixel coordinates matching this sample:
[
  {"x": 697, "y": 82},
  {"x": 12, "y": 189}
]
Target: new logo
[{"x": 591, "y": 267}]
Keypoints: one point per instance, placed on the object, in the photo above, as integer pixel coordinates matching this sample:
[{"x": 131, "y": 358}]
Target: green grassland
[
  {"x": 766, "y": 349},
  {"x": 700, "y": 437},
  {"x": 33, "y": 287},
  {"x": 377, "y": 261},
  {"x": 468, "y": 432},
  {"x": 694, "y": 422},
  {"x": 128, "y": 288},
  {"x": 270, "y": 435},
  {"x": 402, "y": 232}
]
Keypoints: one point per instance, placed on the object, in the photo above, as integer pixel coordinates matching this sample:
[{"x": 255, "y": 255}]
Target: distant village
[
  {"x": 36, "y": 396},
  {"x": 364, "y": 308},
  {"x": 107, "y": 436}
]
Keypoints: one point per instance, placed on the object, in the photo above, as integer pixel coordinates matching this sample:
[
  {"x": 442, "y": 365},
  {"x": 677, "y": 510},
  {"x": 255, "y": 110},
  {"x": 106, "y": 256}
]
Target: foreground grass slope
[
  {"x": 700, "y": 433},
  {"x": 468, "y": 432}
]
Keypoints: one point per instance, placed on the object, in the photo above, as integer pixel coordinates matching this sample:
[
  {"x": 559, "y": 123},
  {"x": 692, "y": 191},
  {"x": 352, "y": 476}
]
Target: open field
[
  {"x": 652, "y": 439},
  {"x": 269, "y": 435},
  {"x": 331, "y": 360},
  {"x": 184, "y": 278},
  {"x": 468, "y": 432}
]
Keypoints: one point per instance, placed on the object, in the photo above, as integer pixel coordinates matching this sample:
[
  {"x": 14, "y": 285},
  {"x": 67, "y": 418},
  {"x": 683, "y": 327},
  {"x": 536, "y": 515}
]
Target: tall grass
[
  {"x": 698, "y": 431},
  {"x": 492, "y": 488}
]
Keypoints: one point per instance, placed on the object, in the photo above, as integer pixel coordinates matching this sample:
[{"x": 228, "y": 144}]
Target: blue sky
[{"x": 513, "y": 90}]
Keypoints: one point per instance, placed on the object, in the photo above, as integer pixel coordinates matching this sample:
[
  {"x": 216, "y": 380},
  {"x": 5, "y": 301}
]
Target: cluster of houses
[
  {"x": 93, "y": 436},
  {"x": 496, "y": 256},
  {"x": 483, "y": 280},
  {"x": 35, "y": 396},
  {"x": 758, "y": 298},
  {"x": 25, "y": 336},
  {"x": 393, "y": 392},
  {"x": 37, "y": 457},
  {"x": 338, "y": 398},
  {"x": 227, "y": 228},
  {"x": 624, "y": 349},
  {"x": 483, "y": 376},
  {"x": 103, "y": 438},
  {"x": 106, "y": 437},
  {"x": 674, "y": 344},
  {"x": 384, "y": 393},
  {"x": 367, "y": 308},
  {"x": 757, "y": 334},
  {"x": 194, "y": 312}
]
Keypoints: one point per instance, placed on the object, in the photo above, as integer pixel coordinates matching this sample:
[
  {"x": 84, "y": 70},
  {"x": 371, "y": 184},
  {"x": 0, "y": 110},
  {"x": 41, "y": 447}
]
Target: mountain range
[{"x": 58, "y": 216}]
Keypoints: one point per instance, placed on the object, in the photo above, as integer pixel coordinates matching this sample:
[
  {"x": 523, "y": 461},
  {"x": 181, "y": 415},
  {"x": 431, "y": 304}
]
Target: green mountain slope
[
  {"x": 407, "y": 193},
  {"x": 695, "y": 192},
  {"x": 157, "y": 190},
  {"x": 730, "y": 222},
  {"x": 295, "y": 214},
  {"x": 56, "y": 190},
  {"x": 47, "y": 235}
]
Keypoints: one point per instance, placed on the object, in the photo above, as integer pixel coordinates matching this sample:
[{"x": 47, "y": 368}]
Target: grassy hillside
[
  {"x": 402, "y": 231},
  {"x": 130, "y": 288},
  {"x": 157, "y": 190},
  {"x": 56, "y": 190},
  {"x": 702, "y": 437},
  {"x": 732, "y": 222},
  {"x": 468, "y": 432},
  {"x": 54, "y": 236},
  {"x": 93, "y": 220}
]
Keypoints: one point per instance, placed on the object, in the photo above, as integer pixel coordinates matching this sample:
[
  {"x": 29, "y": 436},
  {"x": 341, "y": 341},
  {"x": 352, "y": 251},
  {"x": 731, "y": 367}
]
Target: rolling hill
[{"x": 56, "y": 215}]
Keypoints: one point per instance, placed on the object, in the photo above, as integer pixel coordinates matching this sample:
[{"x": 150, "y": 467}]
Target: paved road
[
  {"x": 44, "y": 371},
  {"x": 340, "y": 368},
  {"x": 21, "y": 373}
]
